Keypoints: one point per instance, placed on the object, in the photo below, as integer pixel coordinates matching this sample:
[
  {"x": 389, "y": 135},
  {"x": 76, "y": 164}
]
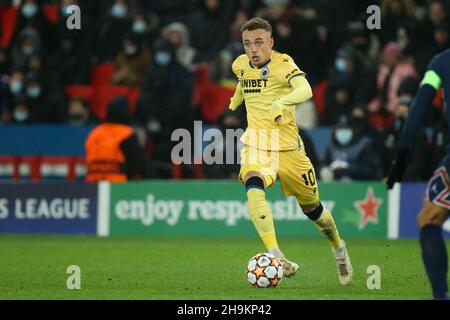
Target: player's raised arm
[
  {"x": 237, "y": 99},
  {"x": 429, "y": 86},
  {"x": 302, "y": 92}
]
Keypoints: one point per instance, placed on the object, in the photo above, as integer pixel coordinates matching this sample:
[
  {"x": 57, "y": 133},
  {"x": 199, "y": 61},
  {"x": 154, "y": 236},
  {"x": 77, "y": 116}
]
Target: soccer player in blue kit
[{"x": 436, "y": 208}]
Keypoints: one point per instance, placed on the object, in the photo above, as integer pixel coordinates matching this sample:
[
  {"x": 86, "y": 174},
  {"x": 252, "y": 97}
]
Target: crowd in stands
[{"x": 172, "y": 60}]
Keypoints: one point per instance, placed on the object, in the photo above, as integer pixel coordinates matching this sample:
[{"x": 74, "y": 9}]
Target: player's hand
[
  {"x": 233, "y": 107},
  {"x": 276, "y": 113},
  {"x": 398, "y": 168}
]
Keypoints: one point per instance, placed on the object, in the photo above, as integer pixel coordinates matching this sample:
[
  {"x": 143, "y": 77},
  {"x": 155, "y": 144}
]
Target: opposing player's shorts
[
  {"x": 438, "y": 190},
  {"x": 293, "y": 168}
]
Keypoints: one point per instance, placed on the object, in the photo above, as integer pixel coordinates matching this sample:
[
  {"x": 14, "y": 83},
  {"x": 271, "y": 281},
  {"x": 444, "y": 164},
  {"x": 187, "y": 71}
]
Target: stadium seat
[
  {"x": 9, "y": 168},
  {"x": 212, "y": 98},
  {"x": 82, "y": 91},
  {"x": 319, "y": 95},
  {"x": 8, "y": 18},
  {"x": 133, "y": 96},
  {"x": 104, "y": 95},
  {"x": 102, "y": 74},
  {"x": 51, "y": 12}
]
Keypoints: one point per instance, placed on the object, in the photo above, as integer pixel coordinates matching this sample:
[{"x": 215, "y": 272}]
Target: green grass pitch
[{"x": 34, "y": 267}]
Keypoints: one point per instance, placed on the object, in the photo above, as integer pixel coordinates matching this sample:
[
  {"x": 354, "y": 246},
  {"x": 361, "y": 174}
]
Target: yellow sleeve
[
  {"x": 237, "y": 99},
  {"x": 302, "y": 92}
]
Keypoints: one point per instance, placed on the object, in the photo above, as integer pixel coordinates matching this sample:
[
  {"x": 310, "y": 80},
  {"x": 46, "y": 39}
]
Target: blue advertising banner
[
  {"x": 411, "y": 202},
  {"x": 48, "y": 208}
]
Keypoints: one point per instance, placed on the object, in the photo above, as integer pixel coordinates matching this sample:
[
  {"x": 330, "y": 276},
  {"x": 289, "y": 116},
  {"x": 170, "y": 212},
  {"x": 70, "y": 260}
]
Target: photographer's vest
[{"x": 105, "y": 160}]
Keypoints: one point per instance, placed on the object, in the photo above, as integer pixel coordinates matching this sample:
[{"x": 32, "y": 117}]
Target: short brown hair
[{"x": 255, "y": 24}]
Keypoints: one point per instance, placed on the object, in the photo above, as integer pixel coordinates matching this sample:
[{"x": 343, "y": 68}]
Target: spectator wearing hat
[
  {"x": 350, "y": 156},
  {"x": 165, "y": 101},
  {"x": 351, "y": 82},
  {"x": 31, "y": 16},
  {"x": 178, "y": 35}
]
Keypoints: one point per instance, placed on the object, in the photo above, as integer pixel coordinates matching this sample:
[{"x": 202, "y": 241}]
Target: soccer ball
[{"x": 264, "y": 271}]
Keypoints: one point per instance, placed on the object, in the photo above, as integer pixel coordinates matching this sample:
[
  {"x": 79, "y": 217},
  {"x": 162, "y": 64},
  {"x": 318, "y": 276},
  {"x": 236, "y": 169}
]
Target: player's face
[{"x": 258, "y": 46}]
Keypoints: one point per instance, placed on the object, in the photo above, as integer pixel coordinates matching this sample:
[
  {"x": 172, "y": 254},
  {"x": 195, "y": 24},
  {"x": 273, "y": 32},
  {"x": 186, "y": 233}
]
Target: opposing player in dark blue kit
[{"x": 436, "y": 208}]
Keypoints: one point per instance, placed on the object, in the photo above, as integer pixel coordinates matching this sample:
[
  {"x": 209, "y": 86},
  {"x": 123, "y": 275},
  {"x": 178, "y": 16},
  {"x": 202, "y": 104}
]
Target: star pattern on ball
[{"x": 259, "y": 272}]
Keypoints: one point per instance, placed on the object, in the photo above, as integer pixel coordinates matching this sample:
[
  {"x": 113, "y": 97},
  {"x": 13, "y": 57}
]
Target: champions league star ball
[{"x": 264, "y": 271}]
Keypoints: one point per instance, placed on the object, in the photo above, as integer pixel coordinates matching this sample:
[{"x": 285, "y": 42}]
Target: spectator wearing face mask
[
  {"x": 21, "y": 113},
  {"x": 178, "y": 35},
  {"x": 33, "y": 92},
  {"x": 144, "y": 27},
  {"x": 32, "y": 16},
  {"x": 165, "y": 101},
  {"x": 69, "y": 63},
  {"x": 350, "y": 155},
  {"x": 132, "y": 63},
  {"x": 359, "y": 80},
  {"x": 16, "y": 84},
  {"x": 47, "y": 106},
  {"x": 27, "y": 48},
  {"x": 113, "y": 29}
]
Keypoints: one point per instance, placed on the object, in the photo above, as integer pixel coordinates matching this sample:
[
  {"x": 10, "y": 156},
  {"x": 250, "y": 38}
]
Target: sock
[
  {"x": 277, "y": 253},
  {"x": 262, "y": 218},
  {"x": 327, "y": 227},
  {"x": 434, "y": 255}
]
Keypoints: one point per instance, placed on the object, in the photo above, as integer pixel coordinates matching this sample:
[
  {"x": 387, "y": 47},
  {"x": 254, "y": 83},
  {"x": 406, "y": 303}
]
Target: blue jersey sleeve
[{"x": 435, "y": 77}]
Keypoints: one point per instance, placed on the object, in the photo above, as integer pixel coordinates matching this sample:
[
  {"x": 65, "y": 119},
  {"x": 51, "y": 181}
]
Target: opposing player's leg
[
  {"x": 431, "y": 219},
  {"x": 298, "y": 178}
]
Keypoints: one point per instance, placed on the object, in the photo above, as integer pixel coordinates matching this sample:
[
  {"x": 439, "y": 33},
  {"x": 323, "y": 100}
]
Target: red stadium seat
[
  {"x": 8, "y": 19},
  {"x": 51, "y": 12},
  {"x": 133, "y": 96},
  {"x": 104, "y": 95},
  {"x": 81, "y": 91},
  {"x": 319, "y": 95},
  {"x": 212, "y": 98},
  {"x": 102, "y": 74}
]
